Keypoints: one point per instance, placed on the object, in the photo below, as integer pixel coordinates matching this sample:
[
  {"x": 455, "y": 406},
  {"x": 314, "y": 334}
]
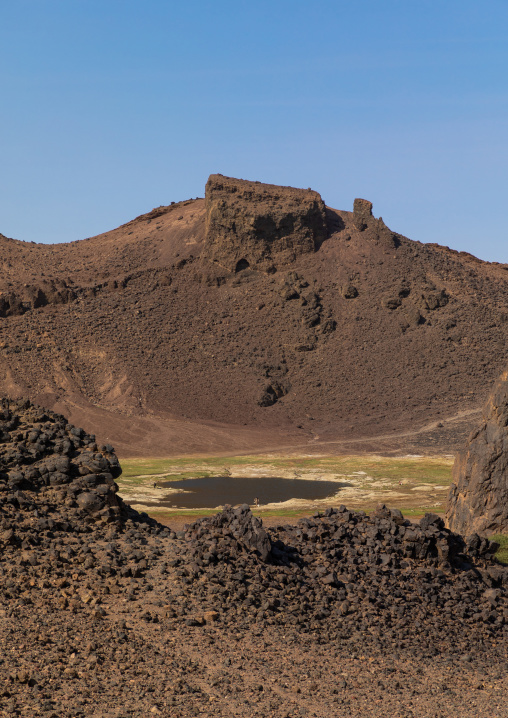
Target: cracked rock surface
[{"x": 478, "y": 499}]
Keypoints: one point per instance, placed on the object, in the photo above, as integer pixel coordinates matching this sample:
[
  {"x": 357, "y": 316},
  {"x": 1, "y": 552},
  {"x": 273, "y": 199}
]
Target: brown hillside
[{"x": 149, "y": 335}]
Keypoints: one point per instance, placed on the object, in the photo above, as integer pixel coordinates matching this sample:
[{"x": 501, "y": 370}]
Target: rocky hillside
[{"x": 252, "y": 319}]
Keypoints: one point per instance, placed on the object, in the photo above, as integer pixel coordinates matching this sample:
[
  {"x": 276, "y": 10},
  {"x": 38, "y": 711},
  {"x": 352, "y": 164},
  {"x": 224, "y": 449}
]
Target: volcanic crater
[{"x": 255, "y": 318}]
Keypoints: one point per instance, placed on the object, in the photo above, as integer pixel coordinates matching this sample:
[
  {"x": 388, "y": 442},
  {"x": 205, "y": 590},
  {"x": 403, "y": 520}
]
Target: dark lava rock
[
  {"x": 59, "y": 506},
  {"x": 349, "y": 291},
  {"x": 344, "y": 573},
  {"x": 250, "y": 224},
  {"x": 238, "y": 524},
  {"x": 53, "y": 462},
  {"x": 478, "y": 499}
]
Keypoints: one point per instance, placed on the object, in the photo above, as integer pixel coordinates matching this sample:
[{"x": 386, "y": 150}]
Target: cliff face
[
  {"x": 478, "y": 500},
  {"x": 253, "y": 224}
]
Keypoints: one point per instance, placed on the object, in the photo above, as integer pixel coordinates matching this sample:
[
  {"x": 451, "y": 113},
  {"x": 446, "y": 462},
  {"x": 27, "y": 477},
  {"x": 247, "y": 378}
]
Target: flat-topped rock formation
[
  {"x": 478, "y": 499},
  {"x": 251, "y": 224}
]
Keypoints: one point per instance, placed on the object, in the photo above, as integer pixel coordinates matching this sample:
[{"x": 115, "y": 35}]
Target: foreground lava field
[{"x": 108, "y": 613}]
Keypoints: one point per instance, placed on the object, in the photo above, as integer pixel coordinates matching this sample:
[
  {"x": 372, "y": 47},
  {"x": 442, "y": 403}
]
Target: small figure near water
[{"x": 256, "y": 501}]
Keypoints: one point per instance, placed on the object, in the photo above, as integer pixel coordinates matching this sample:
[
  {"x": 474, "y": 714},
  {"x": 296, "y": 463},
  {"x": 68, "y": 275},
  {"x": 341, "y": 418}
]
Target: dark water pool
[{"x": 219, "y": 490}]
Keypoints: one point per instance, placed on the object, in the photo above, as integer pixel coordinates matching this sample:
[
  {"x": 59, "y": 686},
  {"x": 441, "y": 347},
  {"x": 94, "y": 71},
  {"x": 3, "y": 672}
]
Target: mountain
[{"x": 253, "y": 319}]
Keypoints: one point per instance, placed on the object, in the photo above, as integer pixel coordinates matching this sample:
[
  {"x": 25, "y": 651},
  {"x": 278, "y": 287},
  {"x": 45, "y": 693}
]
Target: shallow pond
[{"x": 219, "y": 490}]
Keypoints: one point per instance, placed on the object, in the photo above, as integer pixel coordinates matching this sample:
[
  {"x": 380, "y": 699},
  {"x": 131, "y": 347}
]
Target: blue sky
[{"x": 111, "y": 108}]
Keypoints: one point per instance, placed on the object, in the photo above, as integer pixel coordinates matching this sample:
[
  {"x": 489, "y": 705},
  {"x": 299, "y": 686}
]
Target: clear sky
[{"x": 112, "y": 107}]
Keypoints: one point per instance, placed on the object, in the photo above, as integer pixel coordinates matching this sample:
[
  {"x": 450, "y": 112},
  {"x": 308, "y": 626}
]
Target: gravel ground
[{"x": 59, "y": 663}]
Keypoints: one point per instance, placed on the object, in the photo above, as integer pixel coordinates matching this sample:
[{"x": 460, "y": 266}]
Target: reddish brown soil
[{"x": 160, "y": 352}]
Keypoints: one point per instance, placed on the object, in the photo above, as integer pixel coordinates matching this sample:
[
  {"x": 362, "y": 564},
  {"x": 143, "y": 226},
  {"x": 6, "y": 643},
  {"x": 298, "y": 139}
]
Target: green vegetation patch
[
  {"x": 423, "y": 469},
  {"x": 415, "y": 484},
  {"x": 419, "y": 512},
  {"x": 160, "y": 468},
  {"x": 502, "y": 552}
]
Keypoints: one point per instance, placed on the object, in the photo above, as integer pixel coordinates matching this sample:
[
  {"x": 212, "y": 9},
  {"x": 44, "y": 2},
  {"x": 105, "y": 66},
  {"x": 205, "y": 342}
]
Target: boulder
[
  {"x": 90, "y": 502},
  {"x": 349, "y": 291},
  {"x": 250, "y": 224},
  {"x": 238, "y": 523},
  {"x": 478, "y": 499}
]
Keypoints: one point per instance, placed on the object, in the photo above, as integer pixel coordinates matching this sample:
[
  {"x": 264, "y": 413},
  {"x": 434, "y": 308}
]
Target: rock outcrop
[
  {"x": 59, "y": 512},
  {"x": 362, "y": 213},
  {"x": 375, "y": 229},
  {"x": 47, "y": 462},
  {"x": 239, "y": 525},
  {"x": 250, "y": 224},
  {"x": 341, "y": 571},
  {"x": 30, "y": 297},
  {"x": 478, "y": 499}
]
